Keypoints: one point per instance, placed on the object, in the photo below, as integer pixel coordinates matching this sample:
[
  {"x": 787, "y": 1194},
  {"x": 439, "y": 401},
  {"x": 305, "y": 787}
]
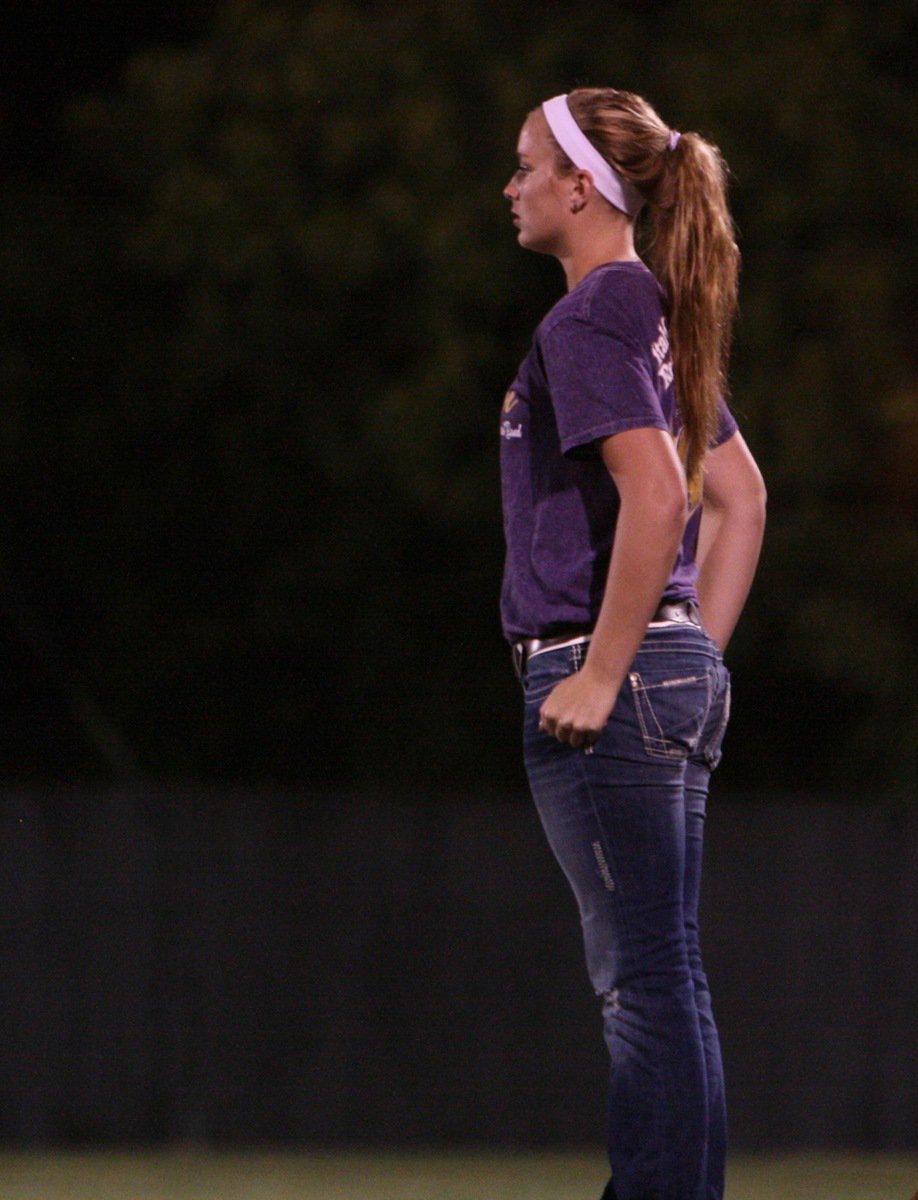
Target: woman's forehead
[{"x": 533, "y": 137}]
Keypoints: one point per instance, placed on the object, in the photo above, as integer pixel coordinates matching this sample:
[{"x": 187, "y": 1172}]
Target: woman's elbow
[
  {"x": 757, "y": 500},
  {"x": 748, "y": 509},
  {"x": 660, "y": 507},
  {"x": 744, "y": 498},
  {"x": 672, "y": 508}
]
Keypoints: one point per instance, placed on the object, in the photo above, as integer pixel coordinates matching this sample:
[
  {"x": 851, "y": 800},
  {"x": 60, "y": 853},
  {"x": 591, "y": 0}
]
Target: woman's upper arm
[
  {"x": 731, "y": 477},
  {"x": 644, "y": 458}
]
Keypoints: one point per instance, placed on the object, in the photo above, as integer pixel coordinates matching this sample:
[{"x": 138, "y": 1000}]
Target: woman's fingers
[
  {"x": 570, "y": 734},
  {"x": 576, "y": 711}
]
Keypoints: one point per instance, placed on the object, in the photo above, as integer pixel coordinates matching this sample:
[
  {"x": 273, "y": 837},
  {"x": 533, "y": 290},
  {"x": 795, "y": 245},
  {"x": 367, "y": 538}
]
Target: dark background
[
  {"x": 261, "y": 299},
  {"x": 259, "y": 302},
  {"x": 218, "y": 967}
]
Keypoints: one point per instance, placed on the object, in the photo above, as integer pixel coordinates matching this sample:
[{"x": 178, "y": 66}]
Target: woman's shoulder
[{"x": 618, "y": 295}]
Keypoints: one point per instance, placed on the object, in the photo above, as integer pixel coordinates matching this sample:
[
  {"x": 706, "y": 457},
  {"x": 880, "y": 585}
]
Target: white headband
[{"x": 584, "y": 155}]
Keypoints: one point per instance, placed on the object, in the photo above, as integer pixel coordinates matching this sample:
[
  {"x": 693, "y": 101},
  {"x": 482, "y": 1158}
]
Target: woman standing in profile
[{"x": 633, "y": 514}]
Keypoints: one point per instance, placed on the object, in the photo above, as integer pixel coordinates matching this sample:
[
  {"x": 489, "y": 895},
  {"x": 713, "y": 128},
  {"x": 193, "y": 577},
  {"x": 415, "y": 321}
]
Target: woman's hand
[{"x": 577, "y": 709}]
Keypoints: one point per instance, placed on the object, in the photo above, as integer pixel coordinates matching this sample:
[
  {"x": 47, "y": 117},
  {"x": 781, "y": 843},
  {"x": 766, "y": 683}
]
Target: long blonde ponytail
[{"x": 689, "y": 245}]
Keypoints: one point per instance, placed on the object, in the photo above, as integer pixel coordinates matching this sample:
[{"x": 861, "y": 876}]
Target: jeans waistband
[{"x": 682, "y": 612}]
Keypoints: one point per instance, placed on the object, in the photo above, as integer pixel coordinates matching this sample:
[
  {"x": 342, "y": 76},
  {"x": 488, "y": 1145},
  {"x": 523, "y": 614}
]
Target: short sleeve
[
  {"x": 600, "y": 384},
  {"x": 726, "y": 426}
]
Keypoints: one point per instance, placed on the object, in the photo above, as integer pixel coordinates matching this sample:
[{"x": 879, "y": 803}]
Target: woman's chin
[{"x": 532, "y": 242}]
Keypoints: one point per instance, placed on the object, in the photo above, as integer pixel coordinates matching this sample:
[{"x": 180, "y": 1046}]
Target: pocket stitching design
[{"x": 657, "y": 745}]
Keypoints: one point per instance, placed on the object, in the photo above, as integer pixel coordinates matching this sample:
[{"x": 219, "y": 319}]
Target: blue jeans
[{"x": 626, "y": 824}]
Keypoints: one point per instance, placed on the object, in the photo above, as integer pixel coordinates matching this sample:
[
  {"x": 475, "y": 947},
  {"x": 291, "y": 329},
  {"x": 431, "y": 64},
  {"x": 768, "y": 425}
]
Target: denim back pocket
[{"x": 671, "y": 711}]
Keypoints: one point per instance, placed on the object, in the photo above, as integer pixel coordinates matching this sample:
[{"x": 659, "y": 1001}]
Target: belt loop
[{"x": 518, "y": 649}]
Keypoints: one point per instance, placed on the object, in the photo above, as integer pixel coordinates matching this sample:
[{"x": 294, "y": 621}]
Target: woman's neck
[{"x": 593, "y": 247}]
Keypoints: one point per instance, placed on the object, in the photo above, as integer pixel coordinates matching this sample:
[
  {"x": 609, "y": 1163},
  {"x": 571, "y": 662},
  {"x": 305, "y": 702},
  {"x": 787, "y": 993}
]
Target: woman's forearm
[
  {"x": 647, "y": 538},
  {"x": 730, "y": 537},
  {"x": 729, "y": 542},
  {"x": 649, "y": 527}
]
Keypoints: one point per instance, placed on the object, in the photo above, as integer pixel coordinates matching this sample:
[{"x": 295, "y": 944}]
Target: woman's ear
[{"x": 580, "y": 190}]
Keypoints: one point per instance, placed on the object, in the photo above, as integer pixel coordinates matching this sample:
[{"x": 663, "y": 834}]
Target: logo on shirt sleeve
[
  {"x": 510, "y": 401},
  {"x": 660, "y": 352}
]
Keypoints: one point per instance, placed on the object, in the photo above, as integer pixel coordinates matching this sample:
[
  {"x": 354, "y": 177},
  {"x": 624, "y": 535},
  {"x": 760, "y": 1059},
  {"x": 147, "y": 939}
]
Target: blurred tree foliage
[{"x": 254, "y": 341}]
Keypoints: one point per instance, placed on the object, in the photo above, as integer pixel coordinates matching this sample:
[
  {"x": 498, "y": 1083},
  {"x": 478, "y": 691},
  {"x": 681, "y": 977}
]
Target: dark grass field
[{"x": 199, "y": 1175}]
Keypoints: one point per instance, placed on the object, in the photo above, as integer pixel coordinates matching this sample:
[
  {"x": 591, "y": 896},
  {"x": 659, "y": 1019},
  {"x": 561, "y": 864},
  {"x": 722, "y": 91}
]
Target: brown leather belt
[{"x": 683, "y": 612}]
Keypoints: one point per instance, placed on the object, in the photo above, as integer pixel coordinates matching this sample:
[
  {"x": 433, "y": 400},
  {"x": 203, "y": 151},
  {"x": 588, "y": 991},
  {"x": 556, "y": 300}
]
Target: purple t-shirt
[{"x": 600, "y": 363}]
